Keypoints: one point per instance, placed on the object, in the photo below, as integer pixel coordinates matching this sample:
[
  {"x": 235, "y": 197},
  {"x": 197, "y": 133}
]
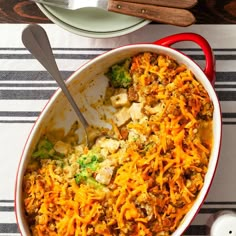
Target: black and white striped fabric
[{"x": 25, "y": 88}]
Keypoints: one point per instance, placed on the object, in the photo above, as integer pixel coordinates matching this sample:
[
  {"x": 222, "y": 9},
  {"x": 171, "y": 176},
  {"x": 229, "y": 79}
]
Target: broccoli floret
[
  {"x": 85, "y": 178},
  {"x": 82, "y": 176},
  {"x": 45, "y": 150},
  {"x": 89, "y": 161},
  {"x": 88, "y": 165},
  {"x": 119, "y": 75}
]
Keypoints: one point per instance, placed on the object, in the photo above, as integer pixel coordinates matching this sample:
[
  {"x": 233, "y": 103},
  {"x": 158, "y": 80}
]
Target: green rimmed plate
[{"x": 93, "y": 22}]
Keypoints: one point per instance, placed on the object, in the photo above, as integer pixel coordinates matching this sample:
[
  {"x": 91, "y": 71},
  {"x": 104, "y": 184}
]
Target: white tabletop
[{"x": 25, "y": 88}]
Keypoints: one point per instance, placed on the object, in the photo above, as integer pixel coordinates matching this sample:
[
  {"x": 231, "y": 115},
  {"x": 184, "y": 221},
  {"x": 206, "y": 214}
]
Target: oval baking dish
[{"x": 88, "y": 85}]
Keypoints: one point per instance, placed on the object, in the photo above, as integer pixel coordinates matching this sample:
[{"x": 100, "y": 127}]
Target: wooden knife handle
[
  {"x": 173, "y": 16},
  {"x": 167, "y": 3}
]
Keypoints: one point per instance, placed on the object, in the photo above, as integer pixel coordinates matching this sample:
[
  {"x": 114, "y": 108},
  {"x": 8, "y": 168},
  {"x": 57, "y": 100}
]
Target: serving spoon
[{"x": 35, "y": 39}]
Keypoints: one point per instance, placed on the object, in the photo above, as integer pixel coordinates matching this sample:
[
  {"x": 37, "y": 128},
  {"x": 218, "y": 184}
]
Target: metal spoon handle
[{"x": 36, "y": 41}]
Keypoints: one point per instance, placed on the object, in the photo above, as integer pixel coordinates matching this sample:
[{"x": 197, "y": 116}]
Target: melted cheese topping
[{"x": 145, "y": 180}]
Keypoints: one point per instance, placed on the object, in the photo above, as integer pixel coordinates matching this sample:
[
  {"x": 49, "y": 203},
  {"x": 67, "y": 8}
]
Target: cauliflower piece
[
  {"x": 62, "y": 147},
  {"x": 136, "y": 111},
  {"x": 158, "y": 109},
  {"x": 104, "y": 174},
  {"x": 135, "y": 135},
  {"x": 120, "y": 100},
  {"x": 122, "y": 116},
  {"x": 110, "y": 145},
  {"x": 71, "y": 170}
]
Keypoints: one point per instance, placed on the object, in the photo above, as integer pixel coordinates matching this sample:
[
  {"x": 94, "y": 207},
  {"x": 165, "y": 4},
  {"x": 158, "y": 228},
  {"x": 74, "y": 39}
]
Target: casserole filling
[{"x": 141, "y": 181}]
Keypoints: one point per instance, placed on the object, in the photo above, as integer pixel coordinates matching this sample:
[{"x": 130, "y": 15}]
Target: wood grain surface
[
  {"x": 206, "y": 12},
  {"x": 21, "y": 11}
]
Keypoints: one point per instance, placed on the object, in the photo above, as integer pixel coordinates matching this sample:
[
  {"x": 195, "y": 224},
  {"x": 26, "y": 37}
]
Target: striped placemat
[{"x": 25, "y": 88}]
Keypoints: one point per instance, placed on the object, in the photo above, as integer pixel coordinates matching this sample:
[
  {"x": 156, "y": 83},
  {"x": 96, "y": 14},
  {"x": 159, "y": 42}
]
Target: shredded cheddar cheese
[{"x": 142, "y": 182}]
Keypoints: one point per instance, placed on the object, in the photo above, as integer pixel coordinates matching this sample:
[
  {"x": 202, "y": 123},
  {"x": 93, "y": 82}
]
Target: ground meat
[{"x": 132, "y": 94}]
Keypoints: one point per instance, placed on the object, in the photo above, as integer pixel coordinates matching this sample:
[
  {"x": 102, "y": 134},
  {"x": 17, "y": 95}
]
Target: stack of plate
[{"x": 93, "y": 22}]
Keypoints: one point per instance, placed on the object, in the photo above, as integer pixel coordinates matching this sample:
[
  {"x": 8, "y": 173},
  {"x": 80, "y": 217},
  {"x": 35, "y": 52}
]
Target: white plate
[{"x": 93, "y": 22}]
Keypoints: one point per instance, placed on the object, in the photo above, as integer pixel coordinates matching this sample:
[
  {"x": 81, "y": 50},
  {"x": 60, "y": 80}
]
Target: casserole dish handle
[{"x": 202, "y": 42}]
